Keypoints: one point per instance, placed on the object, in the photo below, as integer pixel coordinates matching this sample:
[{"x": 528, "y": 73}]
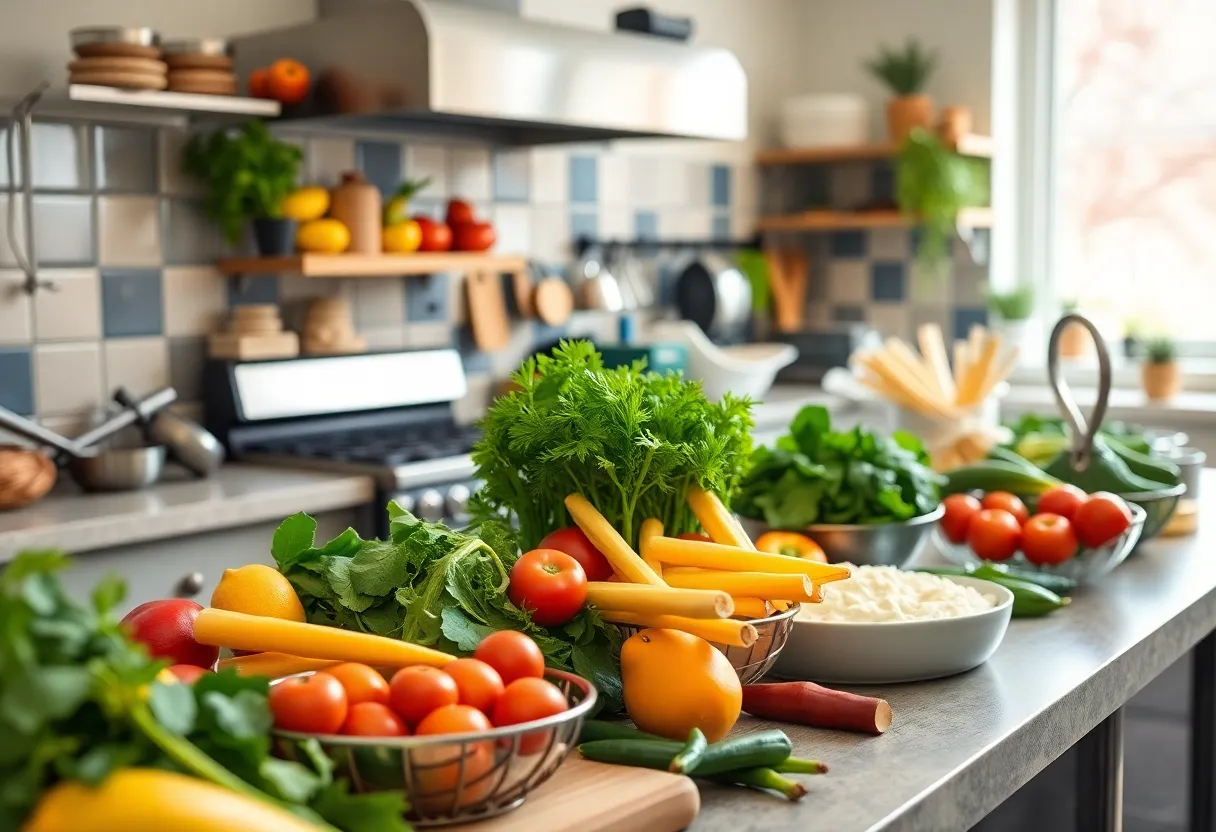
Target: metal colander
[{"x": 456, "y": 778}]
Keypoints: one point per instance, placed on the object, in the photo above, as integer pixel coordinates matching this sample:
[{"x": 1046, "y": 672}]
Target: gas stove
[{"x": 383, "y": 415}]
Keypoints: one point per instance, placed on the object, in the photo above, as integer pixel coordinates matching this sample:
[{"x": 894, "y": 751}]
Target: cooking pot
[{"x": 716, "y": 296}]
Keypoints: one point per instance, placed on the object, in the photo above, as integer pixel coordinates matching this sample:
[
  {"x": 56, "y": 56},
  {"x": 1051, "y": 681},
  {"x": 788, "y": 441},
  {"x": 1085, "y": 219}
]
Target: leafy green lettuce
[
  {"x": 431, "y": 585},
  {"x": 817, "y": 475}
]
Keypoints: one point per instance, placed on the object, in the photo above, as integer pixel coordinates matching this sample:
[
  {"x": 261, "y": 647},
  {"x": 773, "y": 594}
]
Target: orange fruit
[{"x": 258, "y": 590}]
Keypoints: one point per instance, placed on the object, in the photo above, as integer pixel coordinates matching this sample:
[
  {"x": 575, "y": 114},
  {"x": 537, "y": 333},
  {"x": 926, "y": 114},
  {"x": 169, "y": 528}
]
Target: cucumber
[
  {"x": 1058, "y": 584},
  {"x": 1106, "y": 472},
  {"x": 998, "y": 475},
  {"x": 764, "y": 748},
  {"x": 1003, "y": 454},
  {"x": 1157, "y": 470},
  {"x": 599, "y": 729},
  {"x": 692, "y": 752},
  {"x": 1030, "y": 599}
]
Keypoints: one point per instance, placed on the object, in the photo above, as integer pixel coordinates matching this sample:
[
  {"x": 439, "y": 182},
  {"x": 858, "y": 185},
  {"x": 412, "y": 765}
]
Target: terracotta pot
[
  {"x": 356, "y": 203},
  {"x": 1075, "y": 341},
  {"x": 906, "y": 113},
  {"x": 1161, "y": 381},
  {"x": 954, "y": 124}
]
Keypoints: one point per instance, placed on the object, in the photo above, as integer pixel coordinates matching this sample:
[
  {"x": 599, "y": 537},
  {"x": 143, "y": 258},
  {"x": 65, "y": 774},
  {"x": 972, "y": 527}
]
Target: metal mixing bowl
[
  {"x": 877, "y": 544},
  {"x": 120, "y": 469}
]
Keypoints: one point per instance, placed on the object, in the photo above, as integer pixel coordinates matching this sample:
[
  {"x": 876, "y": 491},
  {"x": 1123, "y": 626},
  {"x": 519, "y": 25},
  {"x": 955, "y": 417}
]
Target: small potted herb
[
  {"x": 248, "y": 174},
  {"x": 1160, "y": 374},
  {"x": 1075, "y": 340},
  {"x": 933, "y": 184},
  {"x": 1011, "y": 313},
  {"x": 905, "y": 72}
]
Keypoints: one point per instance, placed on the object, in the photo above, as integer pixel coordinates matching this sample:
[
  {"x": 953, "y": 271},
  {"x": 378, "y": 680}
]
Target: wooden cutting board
[
  {"x": 487, "y": 310},
  {"x": 593, "y": 797}
]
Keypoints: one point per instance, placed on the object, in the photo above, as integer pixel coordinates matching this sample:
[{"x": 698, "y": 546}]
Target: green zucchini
[
  {"x": 1030, "y": 599},
  {"x": 1058, "y": 584},
  {"x": 1003, "y": 454},
  {"x": 998, "y": 475},
  {"x": 1106, "y": 472},
  {"x": 1151, "y": 468}
]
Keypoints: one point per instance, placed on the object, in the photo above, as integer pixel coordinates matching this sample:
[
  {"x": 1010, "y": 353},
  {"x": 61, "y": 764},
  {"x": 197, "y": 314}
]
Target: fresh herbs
[
  {"x": 437, "y": 587},
  {"x": 631, "y": 442},
  {"x": 79, "y": 700},
  {"x": 817, "y": 475},
  {"x": 905, "y": 71},
  {"x": 933, "y": 184}
]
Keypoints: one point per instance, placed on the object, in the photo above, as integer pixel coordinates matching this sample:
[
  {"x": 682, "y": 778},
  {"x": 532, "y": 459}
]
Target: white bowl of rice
[{"x": 885, "y": 625}]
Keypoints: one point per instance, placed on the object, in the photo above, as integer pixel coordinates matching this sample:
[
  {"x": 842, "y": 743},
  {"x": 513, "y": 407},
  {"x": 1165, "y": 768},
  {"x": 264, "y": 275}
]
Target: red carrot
[{"x": 807, "y": 703}]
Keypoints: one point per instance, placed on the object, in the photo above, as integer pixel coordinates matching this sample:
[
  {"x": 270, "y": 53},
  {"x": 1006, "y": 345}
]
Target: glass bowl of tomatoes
[
  {"x": 453, "y": 766},
  {"x": 1060, "y": 538}
]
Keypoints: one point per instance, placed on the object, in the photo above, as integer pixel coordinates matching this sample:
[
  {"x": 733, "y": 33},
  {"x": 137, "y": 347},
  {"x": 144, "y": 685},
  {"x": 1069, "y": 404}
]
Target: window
[{"x": 1134, "y": 183}]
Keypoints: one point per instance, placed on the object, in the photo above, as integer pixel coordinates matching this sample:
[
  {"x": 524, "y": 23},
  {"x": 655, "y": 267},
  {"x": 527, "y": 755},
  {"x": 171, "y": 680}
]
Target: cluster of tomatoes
[
  {"x": 1066, "y": 520},
  {"x": 550, "y": 582},
  {"x": 501, "y": 685}
]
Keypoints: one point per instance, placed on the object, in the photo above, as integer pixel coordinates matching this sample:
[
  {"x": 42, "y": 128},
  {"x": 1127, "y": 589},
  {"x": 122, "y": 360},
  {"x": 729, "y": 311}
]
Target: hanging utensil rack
[{"x": 584, "y": 244}]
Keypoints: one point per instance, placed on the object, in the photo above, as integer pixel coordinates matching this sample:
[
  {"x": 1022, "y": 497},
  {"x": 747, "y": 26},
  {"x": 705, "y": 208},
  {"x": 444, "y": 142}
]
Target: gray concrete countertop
[
  {"x": 777, "y": 407},
  {"x": 960, "y": 746},
  {"x": 237, "y": 495}
]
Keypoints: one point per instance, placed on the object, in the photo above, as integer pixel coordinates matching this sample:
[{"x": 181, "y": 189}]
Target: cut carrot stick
[
  {"x": 718, "y": 630},
  {"x": 768, "y": 586},
  {"x": 660, "y": 600},
  {"x": 678, "y": 552},
  {"x": 223, "y": 628},
  {"x": 273, "y": 665},
  {"x": 751, "y": 608},
  {"x": 806, "y": 703},
  {"x": 612, "y": 546},
  {"x": 721, "y": 526},
  {"x": 651, "y": 528}
]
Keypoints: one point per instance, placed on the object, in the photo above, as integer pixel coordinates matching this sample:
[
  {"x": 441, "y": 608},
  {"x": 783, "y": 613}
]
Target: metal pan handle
[{"x": 1082, "y": 432}]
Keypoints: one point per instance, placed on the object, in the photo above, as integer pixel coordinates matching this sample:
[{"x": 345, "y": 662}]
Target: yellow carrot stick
[
  {"x": 612, "y": 546},
  {"x": 721, "y": 526},
  {"x": 660, "y": 600},
  {"x": 677, "y": 552},
  {"x": 766, "y": 586},
  {"x": 718, "y": 630},
  {"x": 223, "y": 628},
  {"x": 751, "y": 608},
  {"x": 651, "y": 528},
  {"x": 273, "y": 665}
]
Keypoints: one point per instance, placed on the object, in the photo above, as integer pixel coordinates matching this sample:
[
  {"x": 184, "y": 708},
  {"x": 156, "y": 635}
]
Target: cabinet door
[{"x": 185, "y": 566}]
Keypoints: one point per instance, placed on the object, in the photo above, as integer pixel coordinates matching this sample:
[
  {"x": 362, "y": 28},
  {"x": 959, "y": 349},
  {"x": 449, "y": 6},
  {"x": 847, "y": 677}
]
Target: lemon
[
  {"x": 306, "y": 204},
  {"x": 323, "y": 236},
  {"x": 402, "y": 237},
  {"x": 257, "y": 590}
]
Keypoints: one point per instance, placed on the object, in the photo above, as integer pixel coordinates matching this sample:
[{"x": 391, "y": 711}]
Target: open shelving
[
  {"x": 860, "y": 220},
  {"x": 972, "y": 144},
  {"x": 372, "y": 265}
]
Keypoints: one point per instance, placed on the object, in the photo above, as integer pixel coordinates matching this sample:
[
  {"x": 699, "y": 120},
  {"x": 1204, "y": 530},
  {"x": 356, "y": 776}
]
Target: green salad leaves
[
  {"x": 431, "y": 585},
  {"x": 78, "y": 700},
  {"x": 817, "y": 475},
  {"x": 631, "y": 442}
]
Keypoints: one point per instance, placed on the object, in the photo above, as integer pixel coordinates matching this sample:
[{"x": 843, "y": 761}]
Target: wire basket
[
  {"x": 456, "y": 778},
  {"x": 751, "y": 662}
]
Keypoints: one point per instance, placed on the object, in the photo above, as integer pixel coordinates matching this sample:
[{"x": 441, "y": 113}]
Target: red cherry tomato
[
  {"x": 1063, "y": 500},
  {"x": 187, "y": 673},
  {"x": 417, "y": 690},
  {"x": 459, "y": 212},
  {"x": 371, "y": 719},
  {"x": 473, "y": 236},
  {"x": 1007, "y": 502},
  {"x": 513, "y": 654},
  {"x": 435, "y": 235},
  {"x": 1101, "y": 519},
  {"x": 527, "y": 700},
  {"x": 574, "y": 542},
  {"x": 1048, "y": 539},
  {"x": 960, "y": 508},
  {"x": 454, "y": 719},
  {"x": 166, "y": 629},
  {"x": 361, "y": 683},
  {"x": 288, "y": 81},
  {"x": 478, "y": 683},
  {"x": 994, "y": 534},
  {"x": 549, "y": 584},
  {"x": 313, "y": 704}
]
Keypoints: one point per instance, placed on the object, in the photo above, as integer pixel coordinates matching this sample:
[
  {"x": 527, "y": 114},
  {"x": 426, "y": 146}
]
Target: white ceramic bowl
[{"x": 896, "y": 651}]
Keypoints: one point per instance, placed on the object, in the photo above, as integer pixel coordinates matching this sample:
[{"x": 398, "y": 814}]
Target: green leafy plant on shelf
[
  {"x": 905, "y": 71},
  {"x": 248, "y": 173},
  {"x": 1160, "y": 350},
  {"x": 933, "y": 184},
  {"x": 1014, "y": 305}
]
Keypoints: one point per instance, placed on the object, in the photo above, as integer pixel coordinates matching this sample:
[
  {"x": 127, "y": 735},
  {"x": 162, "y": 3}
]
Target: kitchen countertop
[
  {"x": 236, "y": 495},
  {"x": 960, "y": 746}
]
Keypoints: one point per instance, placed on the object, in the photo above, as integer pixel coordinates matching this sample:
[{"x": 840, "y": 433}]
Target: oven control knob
[
  {"x": 430, "y": 506},
  {"x": 457, "y": 501}
]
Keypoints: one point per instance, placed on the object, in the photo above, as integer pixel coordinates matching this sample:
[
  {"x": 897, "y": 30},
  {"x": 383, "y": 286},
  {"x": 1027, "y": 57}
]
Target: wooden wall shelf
[
  {"x": 971, "y": 145},
  {"x": 369, "y": 265},
  {"x": 859, "y": 220}
]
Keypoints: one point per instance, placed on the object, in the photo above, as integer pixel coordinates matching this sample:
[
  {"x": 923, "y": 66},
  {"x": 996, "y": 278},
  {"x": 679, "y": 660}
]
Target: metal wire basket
[
  {"x": 754, "y": 661},
  {"x": 456, "y": 778}
]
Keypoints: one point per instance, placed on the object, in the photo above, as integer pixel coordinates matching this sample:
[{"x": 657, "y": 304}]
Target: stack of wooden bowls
[
  {"x": 330, "y": 330},
  {"x": 118, "y": 56},
  {"x": 254, "y": 333},
  {"x": 200, "y": 65}
]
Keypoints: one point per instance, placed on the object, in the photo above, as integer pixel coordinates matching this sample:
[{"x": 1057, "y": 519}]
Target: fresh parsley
[
  {"x": 630, "y": 441},
  {"x": 817, "y": 475}
]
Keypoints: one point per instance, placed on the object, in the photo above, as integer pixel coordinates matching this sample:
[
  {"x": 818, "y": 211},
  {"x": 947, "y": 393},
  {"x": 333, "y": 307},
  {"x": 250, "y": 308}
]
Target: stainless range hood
[{"x": 453, "y": 68}]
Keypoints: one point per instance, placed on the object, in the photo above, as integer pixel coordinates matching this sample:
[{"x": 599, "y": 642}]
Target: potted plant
[
  {"x": 933, "y": 183},
  {"x": 1011, "y": 313},
  {"x": 248, "y": 174},
  {"x": 1160, "y": 374},
  {"x": 1075, "y": 340},
  {"x": 905, "y": 72}
]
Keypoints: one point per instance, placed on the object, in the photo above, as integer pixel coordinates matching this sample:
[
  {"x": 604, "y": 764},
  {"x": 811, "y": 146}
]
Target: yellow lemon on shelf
[
  {"x": 675, "y": 682},
  {"x": 257, "y": 590},
  {"x": 306, "y": 204},
  {"x": 402, "y": 237},
  {"x": 326, "y": 236}
]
